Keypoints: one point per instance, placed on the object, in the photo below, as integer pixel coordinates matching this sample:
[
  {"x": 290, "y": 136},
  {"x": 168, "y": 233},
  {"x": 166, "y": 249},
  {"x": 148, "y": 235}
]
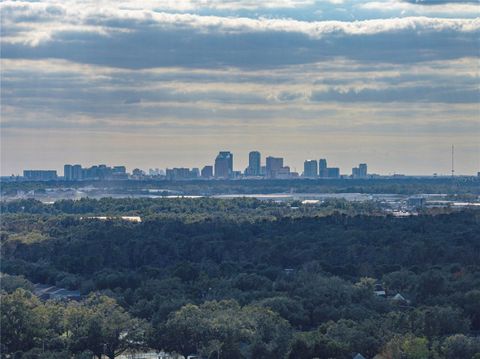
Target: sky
[{"x": 156, "y": 84}]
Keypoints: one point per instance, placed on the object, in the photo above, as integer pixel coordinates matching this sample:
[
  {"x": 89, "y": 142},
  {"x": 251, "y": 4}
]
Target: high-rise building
[
  {"x": 68, "y": 172},
  {"x": 224, "y": 164},
  {"x": 273, "y": 165},
  {"x": 77, "y": 172},
  {"x": 333, "y": 172},
  {"x": 322, "y": 168},
  {"x": 254, "y": 164},
  {"x": 355, "y": 172},
  {"x": 207, "y": 172},
  {"x": 360, "y": 171},
  {"x": 310, "y": 169},
  {"x": 90, "y": 173},
  {"x": 195, "y": 172},
  {"x": 104, "y": 171}
]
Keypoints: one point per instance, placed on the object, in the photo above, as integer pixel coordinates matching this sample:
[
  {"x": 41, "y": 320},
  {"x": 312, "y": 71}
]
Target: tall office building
[
  {"x": 207, "y": 172},
  {"x": 254, "y": 165},
  {"x": 68, "y": 172},
  {"x": 322, "y": 168},
  {"x": 90, "y": 173},
  {"x": 77, "y": 172},
  {"x": 72, "y": 172},
  {"x": 355, "y": 172},
  {"x": 224, "y": 164},
  {"x": 310, "y": 169},
  {"x": 273, "y": 166},
  {"x": 362, "y": 169},
  {"x": 195, "y": 172}
]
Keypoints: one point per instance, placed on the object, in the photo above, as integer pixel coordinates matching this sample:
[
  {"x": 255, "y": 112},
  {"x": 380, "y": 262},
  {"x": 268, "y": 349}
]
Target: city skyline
[
  {"x": 224, "y": 167},
  {"x": 394, "y": 83}
]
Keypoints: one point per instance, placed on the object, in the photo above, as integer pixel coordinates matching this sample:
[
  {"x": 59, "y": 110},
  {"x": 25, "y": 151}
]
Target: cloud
[
  {"x": 112, "y": 20},
  {"x": 64, "y": 92},
  {"x": 438, "y": 2},
  {"x": 431, "y": 8},
  {"x": 425, "y": 94},
  {"x": 127, "y": 35},
  {"x": 205, "y": 42}
]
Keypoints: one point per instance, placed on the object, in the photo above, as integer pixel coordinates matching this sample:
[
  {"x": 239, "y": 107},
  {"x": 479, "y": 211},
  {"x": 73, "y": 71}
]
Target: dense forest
[{"x": 239, "y": 278}]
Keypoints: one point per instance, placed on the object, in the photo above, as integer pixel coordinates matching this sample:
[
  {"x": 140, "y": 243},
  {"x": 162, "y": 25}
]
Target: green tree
[
  {"x": 226, "y": 330},
  {"x": 21, "y": 326},
  {"x": 103, "y": 327},
  {"x": 472, "y": 307},
  {"x": 460, "y": 346},
  {"x": 406, "y": 347},
  {"x": 415, "y": 348}
]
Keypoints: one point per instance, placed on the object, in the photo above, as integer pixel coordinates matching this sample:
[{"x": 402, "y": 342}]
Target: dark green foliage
[{"x": 240, "y": 279}]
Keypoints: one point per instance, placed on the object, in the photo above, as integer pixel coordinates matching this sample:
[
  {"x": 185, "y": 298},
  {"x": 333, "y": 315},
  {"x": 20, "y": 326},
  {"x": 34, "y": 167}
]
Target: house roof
[
  {"x": 398, "y": 296},
  {"x": 48, "y": 291}
]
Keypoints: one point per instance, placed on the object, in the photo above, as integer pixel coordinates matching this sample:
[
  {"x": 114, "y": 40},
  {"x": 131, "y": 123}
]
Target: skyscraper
[
  {"x": 310, "y": 169},
  {"x": 355, "y": 172},
  {"x": 68, "y": 172},
  {"x": 207, "y": 172},
  {"x": 224, "y": 164},
  {"x": 77, "y": 172},
  {"x": 362, "y": 170},
  {"x": 273, "y": 165},
  {"x": 254, "y": 159},
  {"x": 322, "y": 168}
]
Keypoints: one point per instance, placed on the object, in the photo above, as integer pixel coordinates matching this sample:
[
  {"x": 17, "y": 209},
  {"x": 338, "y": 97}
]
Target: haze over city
[{"x": 164, "y": 84}]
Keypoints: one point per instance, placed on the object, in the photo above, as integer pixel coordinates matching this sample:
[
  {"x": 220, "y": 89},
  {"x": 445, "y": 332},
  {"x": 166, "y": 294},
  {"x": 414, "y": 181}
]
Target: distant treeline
[
  {"x": 189, "y": 209},
  {"x": 240, "y": 279},
  {"x": 400, "y": 185}
]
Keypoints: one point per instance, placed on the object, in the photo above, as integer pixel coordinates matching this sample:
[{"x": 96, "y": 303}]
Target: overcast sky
[{"x": 170, "y": 83}]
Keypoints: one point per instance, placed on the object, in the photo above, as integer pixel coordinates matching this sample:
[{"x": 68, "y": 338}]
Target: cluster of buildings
[
  {"x": 40, "y": 175},
  {"x": 319, "y": 169},
  {"x": 100, "y": 172},
  {"x": 78, "y": 173},
  {"x": 272, "y": 168}
]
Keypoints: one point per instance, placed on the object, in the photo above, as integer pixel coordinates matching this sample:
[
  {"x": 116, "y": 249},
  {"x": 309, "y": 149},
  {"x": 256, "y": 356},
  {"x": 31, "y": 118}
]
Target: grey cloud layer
[
  {"x": 90, "y": 96},
  {"x": 145, "y": 38}
]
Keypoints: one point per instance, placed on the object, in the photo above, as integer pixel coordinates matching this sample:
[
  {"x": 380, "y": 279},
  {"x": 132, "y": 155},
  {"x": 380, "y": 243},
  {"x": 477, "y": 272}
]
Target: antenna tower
[{"x": 453, "y": 158}]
